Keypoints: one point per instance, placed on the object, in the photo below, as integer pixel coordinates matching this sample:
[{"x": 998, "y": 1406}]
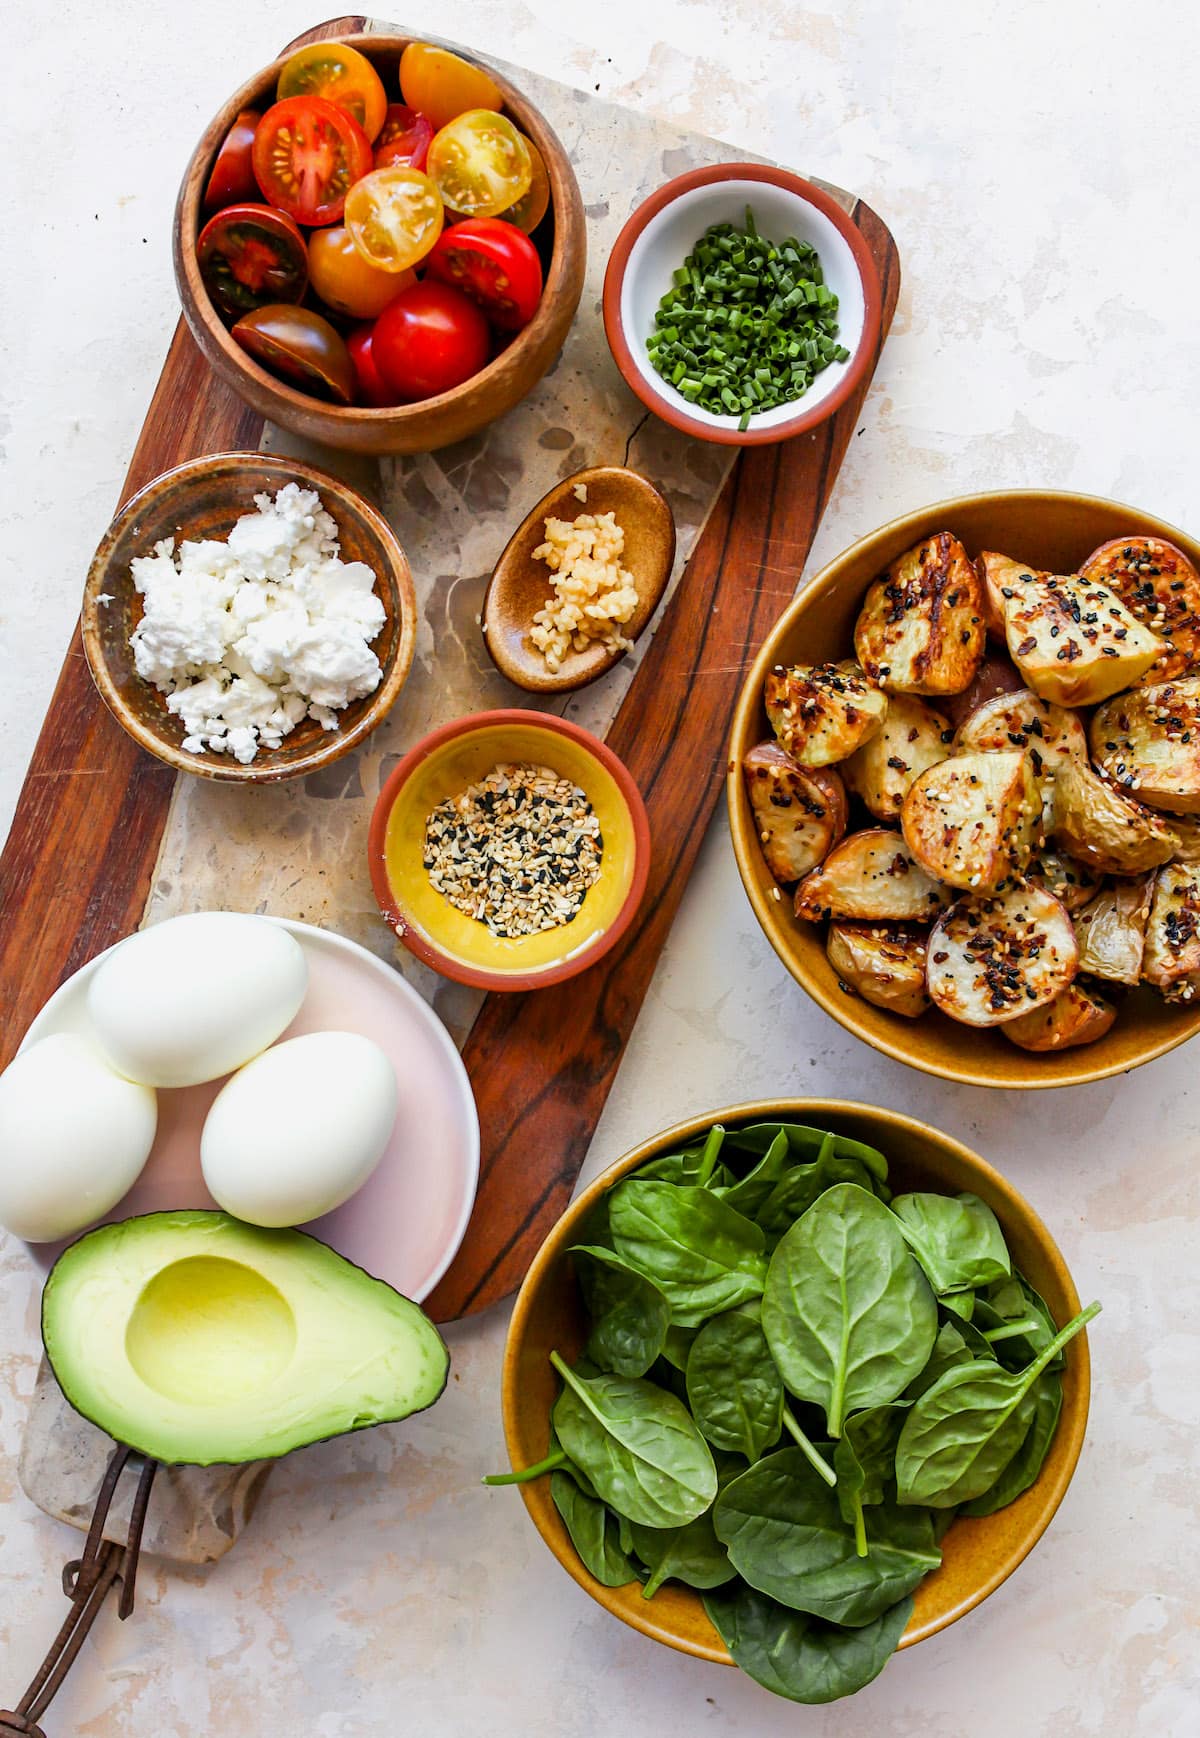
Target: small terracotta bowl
[
  {"x": 663, "y": 231},
  {"x": 1050, "y": 529},
  {"x": 977, "y": 1555},
  {"x": 202, "y": 499},
  {"x": 447, "y": 761}
]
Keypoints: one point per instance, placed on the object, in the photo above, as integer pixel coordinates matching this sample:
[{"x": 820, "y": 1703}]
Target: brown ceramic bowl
[
  {"x": 433, "y": 422},
  {"x": 1053, "y": 530},
  {"x": 977, "y": 1555},
  {"x": 203, "y": 498}
]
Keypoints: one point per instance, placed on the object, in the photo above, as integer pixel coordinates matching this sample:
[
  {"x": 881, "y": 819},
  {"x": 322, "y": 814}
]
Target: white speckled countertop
[{"x": 1037, "y": 166}]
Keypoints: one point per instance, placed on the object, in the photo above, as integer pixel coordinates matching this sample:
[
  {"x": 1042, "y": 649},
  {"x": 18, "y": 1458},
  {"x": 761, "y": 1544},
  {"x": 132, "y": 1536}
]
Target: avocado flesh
[{"x": 197, "y": 1339}]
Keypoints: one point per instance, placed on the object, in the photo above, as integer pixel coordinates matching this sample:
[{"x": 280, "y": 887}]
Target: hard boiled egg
[
  {"x": 295, "y": 1132},
  {"x": 193, "y": 998},
  {"x": 73, "y": 1136}
]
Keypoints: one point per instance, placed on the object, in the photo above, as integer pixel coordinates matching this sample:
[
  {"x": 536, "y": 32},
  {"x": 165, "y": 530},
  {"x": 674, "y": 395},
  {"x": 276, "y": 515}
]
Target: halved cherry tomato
[
  {"x": 530, "y": 209},
  {"x": 345, "y": 281},
  {"x": 370, "y": 383},
  {"x": 250, "y": 255},
  {"x": 232, "y": 179},
  {"x": 403, "y": 138},
  {"x": 480, "y": 164},
  {"x": 494, "y": 264},
  {"x": 307, "y": 156},
  {"x": 301, "y": 346},
  {"x": 441, "y": 85},
  {"x": 429, "y": 340},
  {"x": 342, "y": 76},
  {"x": 395, "y": 216}
]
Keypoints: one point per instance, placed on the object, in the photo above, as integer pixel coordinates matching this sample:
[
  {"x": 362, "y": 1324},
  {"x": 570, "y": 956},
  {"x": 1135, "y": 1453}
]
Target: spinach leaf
[
  {"x": 593, "y": 1531},
  {"x": 692, "y": 1554},
  {"x": 733, "y": 1388},
  {"x": 949, "y": 1348},
  {"x": 785, "y": 1535},
  {"x": 637, "y": 1444},
  {"x": 957, "y": 1240},
  {"x": 1027, "y": 1463},
  {"x": 702, "y": 1254},
  {"x": 959, "y": 1303},
  {"x": 847, "y": 1312},
  {"x": 749, "y": 1193},
  {"x": 796, "y": 1191},
  {"x": 678, "y": 1345},
  {"x": 798, "y": 1656},
  {"x": 1013, "y": 1304},
  {"x": 628, "y": 1313},
  {"x": 865, "y": 1462}
]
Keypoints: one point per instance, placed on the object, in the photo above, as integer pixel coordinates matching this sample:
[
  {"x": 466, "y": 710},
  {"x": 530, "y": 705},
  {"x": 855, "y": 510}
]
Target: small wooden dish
[
  {"x": 203, "y": 499},
  {"x": 519, "y": 585}
]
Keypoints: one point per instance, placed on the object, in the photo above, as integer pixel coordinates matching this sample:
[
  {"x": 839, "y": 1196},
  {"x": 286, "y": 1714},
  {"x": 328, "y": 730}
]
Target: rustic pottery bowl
[
  {"x": 204, "y": 498},
  {"x": 447, "y": 761},
  {"x": 658, "y": 238},
  {"x": 977, "y": 1555},
  {"x": 433, "y": 422},
  {"x": 1053, "y": 530}
]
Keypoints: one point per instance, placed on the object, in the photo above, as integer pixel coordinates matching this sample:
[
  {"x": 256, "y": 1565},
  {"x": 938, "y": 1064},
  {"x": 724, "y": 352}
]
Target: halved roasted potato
[
  {"x": 994, "y": 958},
  {"x": 800, "y": 813},
  {"x": 1148, "y": 741},
  {"x": 885, "y": 966},
  {"x": 1050, "y": 733},
  {"x": 1073, "y": 640},
  {"x": 996, "y": 675},
  {"x": 1159, "y": 585},
  {"x": 1187, "y": 831},
  {"x": 871, "y": 877},
  {"x": 914, "y": 737},
  {"x": 999, "y": 574},
  {"x": 921, "y": 628},
  {"x": 1111, "y": 931},
  {"x": 1074, "y": 883},
  {"x": 1099, "y": 825},
  {"x": 973, "y": 820},
  {"x": 1076, "y": 1016},
  {"x": 823, "y": 712},
  {"x": 1171, "y": 962}
]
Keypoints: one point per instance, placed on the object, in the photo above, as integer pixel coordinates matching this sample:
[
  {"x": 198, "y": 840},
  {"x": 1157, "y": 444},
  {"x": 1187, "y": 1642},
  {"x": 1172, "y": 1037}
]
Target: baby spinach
[
  {"x": 702, "y": 1254},
  {"x": 692, "y": 1554},
  {"x": 678, "y": 1344},
  {"x": 1014, "y": 1304},
  {"x": 798, "y": 1656},
  {"x": 956, "y": 1238},
  {"x": 959, "y": 1303},
  {"x": 594, "y": 1532},
  {"x": 1027, "y": 1462},
  {"x": 733, "y": 1387},
  {"x": 749, "y": 1192},
  {"x": 629, "y": 1315},
  {"x": 796, "y": 1191},
  {"x": 865, "y": 1462}
]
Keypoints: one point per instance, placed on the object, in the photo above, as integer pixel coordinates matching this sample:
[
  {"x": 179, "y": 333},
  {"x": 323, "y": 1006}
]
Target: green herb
[{"x": 798, "y": 1656}]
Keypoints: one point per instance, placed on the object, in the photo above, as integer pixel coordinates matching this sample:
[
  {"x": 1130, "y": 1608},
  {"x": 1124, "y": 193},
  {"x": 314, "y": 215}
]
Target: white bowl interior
[{"x": 671, "y": 235}]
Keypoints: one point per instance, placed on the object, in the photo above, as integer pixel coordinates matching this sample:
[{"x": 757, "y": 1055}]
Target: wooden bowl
[
  {"x": 204, "y": 498},
  {"x": 1050, "y": 529},
  {"x": 977, "y": 1555},
  {"x": 433, "y": 422}
]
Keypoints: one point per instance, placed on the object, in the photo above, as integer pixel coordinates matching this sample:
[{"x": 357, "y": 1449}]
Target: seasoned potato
[
  {"x": 1187, "y": 831},
  {"x": 885, "y": 966},
  {"x": 1148, "y": 741},
  {"x": 1102, "y": 827},
  {"x": 1171, "y": 962},
  {"x": 994, "y": 676},
  {"x": 1076, "y": 1016},
  {"x": 1111, "y": 931},
  {"x": 1075, "y": 643},
  {"x": 871, "y": 877},
  {"x": 1050, "y": 733},
  {"x": 914, "y": 737},
  {"x": 973, "y": 820},
  {"x": 800, "y": 815},
  {"x": 998, "y": 573},
  {"x": 994, "y": 958},
  {"x": 823, "y": 712},
  {"x": 1158, "y": 584},
  {"x": 1074, "y": 883},
  {"x": 921, "y": 627}
]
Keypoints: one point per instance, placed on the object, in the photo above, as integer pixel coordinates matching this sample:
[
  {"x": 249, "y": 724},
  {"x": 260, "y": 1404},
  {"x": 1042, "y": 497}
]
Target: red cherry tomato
[
  {"x": 404, "y": 138},
  {"x": 307, "y": 156},
  {"x": 429, "y": 340},
  {"x": 370, "y": 383},
  {"x": 493, "y": 263},
  {"x": 250, "y": 255},
  {"x": 232, "y": 180}
]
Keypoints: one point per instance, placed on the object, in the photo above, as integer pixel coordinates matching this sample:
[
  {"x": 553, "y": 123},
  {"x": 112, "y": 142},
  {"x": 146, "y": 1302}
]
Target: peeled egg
[
  {"x": 73, "y": 1136},
  {"x": 193, "y": 998},
  {"x": 295, "y": 1132}
]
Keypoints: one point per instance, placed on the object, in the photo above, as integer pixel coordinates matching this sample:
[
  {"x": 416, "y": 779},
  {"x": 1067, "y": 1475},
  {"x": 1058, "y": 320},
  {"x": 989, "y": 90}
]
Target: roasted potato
[
  {"x": 1074, "y": 883},
  {"x": 974, "y": 820},
  {"x": 800, "y": 814},
  {"x": 1171, "y": 962},
  {"x": 1076, "y": 1016},
  {"x": 921, "y": 627},
  {"x": 1021, "y": 720},
  {"x": 1102, "y": 827},
  {"x": 1073, "y": 641},
  {"x": 1148, "y": 741},
  {"x": 885, "y": 966},
  {"x": 914, "y": 737},
  {"x": 998, "y": 573},
  {"x": 994, "y": 958},
  {"x": 823, "y": 712},
  {"x": 1159, "y": 585},
  {"x": 871, "y": 877},
  {"x": 1187, "y": 831},
  {"x": 996, "y": 675},
  {"x": 1111, "y": 931}
]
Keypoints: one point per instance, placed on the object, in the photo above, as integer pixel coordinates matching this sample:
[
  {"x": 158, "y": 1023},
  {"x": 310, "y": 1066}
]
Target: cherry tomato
[
  {"x": 494, "y": 264},
  {"x": 300, "y": 346},
  {"x": 250, "y": 255},
  {"x": 345, "y": 281},
  {"x": 441, "y": 85},
  {"x": 480, "y": 164},
  {"x": 371, "y": 389},
  {"x": 307, "y": 155},
  {"x": 530, "y": 209},
  {"x": 232, "y": 179},
  {"x": 342, "y": 76},
  {"x": 403, "y": 139},
  {"x": 395, "y": 216},
  {"x": 429, "y": 340}
]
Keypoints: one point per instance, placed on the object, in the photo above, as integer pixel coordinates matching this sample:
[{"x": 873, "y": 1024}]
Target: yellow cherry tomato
[
  {"x": 341, "y": 75},
  {"x": 394, "y": 216},
  {"x": 480, "y": 164},
  {"x": 530, "y": 209},
  {"x": 347, "y": 282},
  {"x": 441, "y": 85}
]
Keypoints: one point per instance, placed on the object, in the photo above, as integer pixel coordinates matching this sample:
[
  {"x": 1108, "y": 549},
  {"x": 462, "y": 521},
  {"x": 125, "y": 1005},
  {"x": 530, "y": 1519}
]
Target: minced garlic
[{"x": 593, "y": 594}]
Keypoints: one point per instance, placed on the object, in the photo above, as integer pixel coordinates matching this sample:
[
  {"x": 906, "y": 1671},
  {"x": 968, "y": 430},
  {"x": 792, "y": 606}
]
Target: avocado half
[{"x": 197, "y": 1339}]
